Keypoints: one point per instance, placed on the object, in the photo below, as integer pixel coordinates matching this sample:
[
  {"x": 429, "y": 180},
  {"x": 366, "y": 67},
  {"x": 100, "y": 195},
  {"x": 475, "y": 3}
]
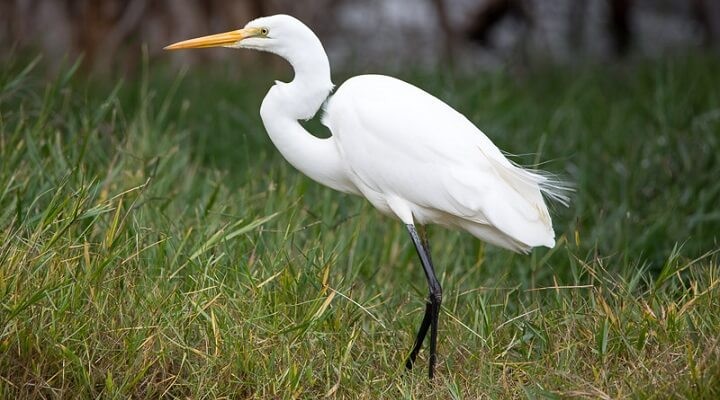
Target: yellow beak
[{"x": 217, "y": 40}]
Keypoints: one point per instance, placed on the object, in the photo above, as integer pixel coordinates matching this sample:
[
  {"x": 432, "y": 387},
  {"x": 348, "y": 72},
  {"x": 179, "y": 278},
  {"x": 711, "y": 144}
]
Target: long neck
[{"x": 287, "y": 103}]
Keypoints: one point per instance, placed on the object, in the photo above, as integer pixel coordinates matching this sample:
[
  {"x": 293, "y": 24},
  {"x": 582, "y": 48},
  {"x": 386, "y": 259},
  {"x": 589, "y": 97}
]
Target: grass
[{"x": 154, "y": 244}]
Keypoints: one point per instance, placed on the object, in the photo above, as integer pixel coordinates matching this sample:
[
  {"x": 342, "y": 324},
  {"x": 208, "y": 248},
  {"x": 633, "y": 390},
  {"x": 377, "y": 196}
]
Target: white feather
[
  {"x": 399, "y": 141},
  {"x": 411, "y": 155}
]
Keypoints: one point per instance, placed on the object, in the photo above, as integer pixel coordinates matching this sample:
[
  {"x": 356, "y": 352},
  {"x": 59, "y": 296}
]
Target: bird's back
[{"x": 408, "y": 152}]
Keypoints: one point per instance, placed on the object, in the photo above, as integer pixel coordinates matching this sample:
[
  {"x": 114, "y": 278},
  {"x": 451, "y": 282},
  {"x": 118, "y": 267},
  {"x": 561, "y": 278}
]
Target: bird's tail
[{"x": 551, "y": 185}]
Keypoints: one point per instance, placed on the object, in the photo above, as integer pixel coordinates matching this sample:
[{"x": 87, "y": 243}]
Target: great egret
[{"x": 412, "y": 156}]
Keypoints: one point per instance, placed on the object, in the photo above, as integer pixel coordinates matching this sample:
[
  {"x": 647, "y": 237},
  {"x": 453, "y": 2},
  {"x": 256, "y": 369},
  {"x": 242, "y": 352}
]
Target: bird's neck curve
[
  {"x": 288, "y": 103},
  {"x": 304, "y": 95}
]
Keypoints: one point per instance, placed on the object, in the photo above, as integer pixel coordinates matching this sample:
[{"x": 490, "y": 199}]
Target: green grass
[{"x": 154, "y": 244}]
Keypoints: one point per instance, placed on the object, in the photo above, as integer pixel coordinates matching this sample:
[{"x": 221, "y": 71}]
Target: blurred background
[{"x": 370, "y": 33}]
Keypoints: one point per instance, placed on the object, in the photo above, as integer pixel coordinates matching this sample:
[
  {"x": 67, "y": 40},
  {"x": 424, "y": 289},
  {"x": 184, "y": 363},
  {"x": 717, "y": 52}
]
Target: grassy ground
[{"x": 154, "y": 244}]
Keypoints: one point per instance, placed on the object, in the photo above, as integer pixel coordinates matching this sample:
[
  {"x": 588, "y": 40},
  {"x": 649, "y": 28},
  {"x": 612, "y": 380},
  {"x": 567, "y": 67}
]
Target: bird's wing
[{"x": 400, "y": 140}]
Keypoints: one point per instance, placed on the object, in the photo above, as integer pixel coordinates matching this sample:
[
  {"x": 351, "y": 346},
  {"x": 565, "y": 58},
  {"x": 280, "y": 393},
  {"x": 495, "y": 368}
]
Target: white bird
[{"x": 410, "y": 155}]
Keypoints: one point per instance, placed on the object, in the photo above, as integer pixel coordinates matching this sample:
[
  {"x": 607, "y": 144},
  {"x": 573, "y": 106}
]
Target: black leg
[
  {"x": 425, "y": 324},
  {"x": 432, "y": 310},
  {"x": 420, "y": 338},
  {"x": 422, "y": 232}
]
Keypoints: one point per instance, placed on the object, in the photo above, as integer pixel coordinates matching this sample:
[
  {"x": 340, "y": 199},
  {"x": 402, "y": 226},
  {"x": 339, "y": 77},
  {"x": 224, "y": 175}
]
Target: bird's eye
[{"x": 264, "y": 31}]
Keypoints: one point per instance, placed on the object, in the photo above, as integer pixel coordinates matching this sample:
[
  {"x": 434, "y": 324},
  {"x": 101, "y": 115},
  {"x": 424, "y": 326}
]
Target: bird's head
[{"x": 276, "y": 34}]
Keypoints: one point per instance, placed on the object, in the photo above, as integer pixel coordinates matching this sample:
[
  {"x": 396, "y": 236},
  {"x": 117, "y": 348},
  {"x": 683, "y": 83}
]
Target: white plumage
[{"x": 412, "y": 156}]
